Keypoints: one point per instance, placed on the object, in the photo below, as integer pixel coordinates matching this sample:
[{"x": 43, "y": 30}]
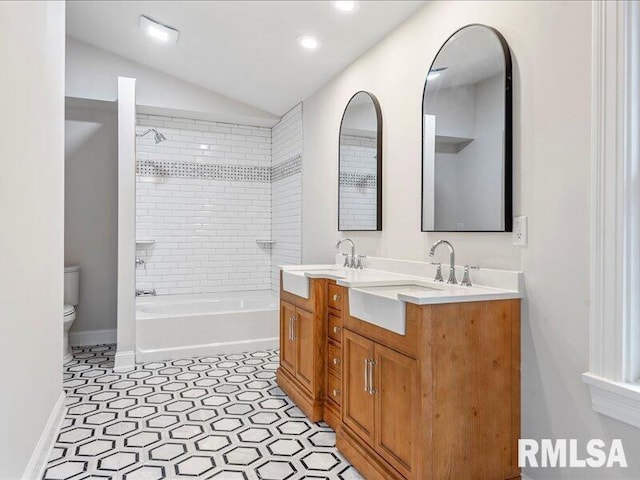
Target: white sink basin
[
  {"x": 380, "y": 305},
  {"x": 296, "y": 283}
]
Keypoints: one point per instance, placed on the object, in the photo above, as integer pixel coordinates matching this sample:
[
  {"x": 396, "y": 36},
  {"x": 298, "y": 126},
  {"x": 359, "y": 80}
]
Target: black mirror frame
[
  {"x": 508, "y": 137},
  {"x": 376, "y": 105}
]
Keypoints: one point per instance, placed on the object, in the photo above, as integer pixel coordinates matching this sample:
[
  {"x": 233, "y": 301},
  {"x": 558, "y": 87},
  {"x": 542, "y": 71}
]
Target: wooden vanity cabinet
[
  {"x": 442, "y": 401},
  {"x": 334, "y": 398},
  {"x": 301, "y": 374}
]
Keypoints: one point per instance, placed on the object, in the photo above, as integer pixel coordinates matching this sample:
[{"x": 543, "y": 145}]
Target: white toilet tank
[{"x": 72, "y": 285}]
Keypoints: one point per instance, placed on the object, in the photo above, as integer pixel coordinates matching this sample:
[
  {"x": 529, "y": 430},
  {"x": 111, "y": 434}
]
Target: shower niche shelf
[{"x": 144, "y": 242}]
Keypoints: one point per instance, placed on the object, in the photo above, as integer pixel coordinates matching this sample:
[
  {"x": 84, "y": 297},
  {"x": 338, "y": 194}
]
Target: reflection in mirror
[
  {"x": 360, "y": 165},
  {"x": 466, "y": 143}
]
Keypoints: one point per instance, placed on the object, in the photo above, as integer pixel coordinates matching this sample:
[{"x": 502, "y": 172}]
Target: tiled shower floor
[{"x": 217, "y": 417}]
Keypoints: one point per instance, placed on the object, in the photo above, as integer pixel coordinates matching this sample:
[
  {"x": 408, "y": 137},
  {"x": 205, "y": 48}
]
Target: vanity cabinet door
[
  {"x": 287, "y": 339},
  {"x": 305, "y": 361},
  {"x": 358, "y": 401},
  {"x": 396, "y": 406}
]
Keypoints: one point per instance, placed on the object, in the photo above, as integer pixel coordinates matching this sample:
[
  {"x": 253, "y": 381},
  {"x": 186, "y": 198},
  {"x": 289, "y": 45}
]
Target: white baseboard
[
  {"x": 124, "y": 361},
  {"x": 92, "y": 337},
  {"x": 42, "y": 452}
]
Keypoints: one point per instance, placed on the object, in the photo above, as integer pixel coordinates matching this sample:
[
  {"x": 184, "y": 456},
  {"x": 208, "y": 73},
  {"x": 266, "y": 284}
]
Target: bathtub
[{"x": 181, "y": 326}]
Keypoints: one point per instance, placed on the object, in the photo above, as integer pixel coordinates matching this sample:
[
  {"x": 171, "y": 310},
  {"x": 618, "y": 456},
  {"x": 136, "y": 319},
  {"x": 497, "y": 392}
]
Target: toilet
[{"x": 71, "y": 301}]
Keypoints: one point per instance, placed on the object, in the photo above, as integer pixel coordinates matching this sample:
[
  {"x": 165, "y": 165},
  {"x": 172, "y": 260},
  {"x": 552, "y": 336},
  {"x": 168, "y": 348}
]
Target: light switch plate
[{"x": 520, "y": 232}]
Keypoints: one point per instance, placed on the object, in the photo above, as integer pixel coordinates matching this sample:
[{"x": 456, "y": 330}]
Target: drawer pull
[
  {"x": 336, "y": 360},
  {"x": 337, "y": 329},
  {"x": 335, "y": 392},
  {"x": 336, "y": 298}
]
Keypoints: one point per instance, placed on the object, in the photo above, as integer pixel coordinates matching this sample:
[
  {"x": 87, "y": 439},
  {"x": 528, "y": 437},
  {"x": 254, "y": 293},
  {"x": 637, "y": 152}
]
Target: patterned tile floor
[{"x": 219, "y": 417}]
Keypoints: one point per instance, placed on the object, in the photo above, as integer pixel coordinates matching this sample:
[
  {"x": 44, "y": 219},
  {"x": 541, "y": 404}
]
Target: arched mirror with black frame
[
  {"x": 360, "y": 165},
  {"x": 467, "y": 158}
]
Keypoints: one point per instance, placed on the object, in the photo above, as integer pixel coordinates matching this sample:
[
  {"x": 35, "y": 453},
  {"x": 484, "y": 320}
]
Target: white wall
[
  {"x": 93, "y": 73},
  {"x": 205, "y": 223},
  {"x": 551, "y": 183},
  {"x": 286, "y": 193},
  {"x": 31, "y": 219},
  {"x": 91, "y": 210},
  {"x": 126, "y": 311}
]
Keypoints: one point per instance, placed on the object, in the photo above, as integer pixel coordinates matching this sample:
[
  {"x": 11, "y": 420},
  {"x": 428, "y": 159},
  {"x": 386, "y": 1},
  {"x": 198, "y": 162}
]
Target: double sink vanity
[
  {"x": 420, "y": 379},
  {"x": 418, "y": 376}
]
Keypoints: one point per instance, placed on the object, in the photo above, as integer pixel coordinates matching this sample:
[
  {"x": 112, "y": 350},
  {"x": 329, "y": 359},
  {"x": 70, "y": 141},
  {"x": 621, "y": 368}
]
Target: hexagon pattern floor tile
[{"x": 219, "y": 417}]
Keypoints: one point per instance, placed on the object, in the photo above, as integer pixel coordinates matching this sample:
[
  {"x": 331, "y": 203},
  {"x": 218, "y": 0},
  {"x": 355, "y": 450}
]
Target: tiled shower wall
[
  {"x": 286, "y": 192},
  {"x": 204, "y": 196},
  {"x": 358, "y": 177}
]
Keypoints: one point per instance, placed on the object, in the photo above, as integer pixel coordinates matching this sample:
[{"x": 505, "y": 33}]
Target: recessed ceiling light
[
  {"x": 345, "y": 6},
  {"x": 309, "y": 42},
  {"x": 157, "y": 31}
]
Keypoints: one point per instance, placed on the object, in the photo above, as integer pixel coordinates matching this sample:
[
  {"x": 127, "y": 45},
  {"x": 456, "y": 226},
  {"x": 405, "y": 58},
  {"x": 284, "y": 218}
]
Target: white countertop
[{"x": 409, "y": 288}]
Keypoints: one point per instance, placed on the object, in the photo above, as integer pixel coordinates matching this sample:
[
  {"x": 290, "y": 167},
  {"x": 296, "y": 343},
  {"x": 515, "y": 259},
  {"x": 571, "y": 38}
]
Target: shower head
[{"x": 157, "y": 136}]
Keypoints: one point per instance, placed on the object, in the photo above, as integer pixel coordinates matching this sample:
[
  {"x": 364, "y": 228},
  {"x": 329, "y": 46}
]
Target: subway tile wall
[
  {"x": 207, "y": 193},
  {"x": 358, "y": 177},
  {"x": 203, "y": 196},
  {"x": 286, "y": 192}
]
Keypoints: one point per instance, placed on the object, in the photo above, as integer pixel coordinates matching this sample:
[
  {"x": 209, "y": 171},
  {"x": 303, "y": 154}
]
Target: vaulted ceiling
[{"x": 246, "y": 50}]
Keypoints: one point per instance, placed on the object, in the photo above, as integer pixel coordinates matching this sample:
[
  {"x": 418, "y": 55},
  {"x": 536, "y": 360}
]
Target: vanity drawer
[
  {"x": 334, "y": 388},
  {"x": 334, "y": 358},
  {"x": 335, "y": 327},
  {"x": 336, "y": 297}
]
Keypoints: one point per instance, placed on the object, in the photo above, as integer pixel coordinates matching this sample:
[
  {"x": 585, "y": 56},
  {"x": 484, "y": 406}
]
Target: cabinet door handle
[
  {"x": 337, "y": 329},
  {"x": 372, "y": 389},
  {"x": 366, "y": 375},
  {"x": 335, "y": 392},
  {"x": 290, "y": 328},
  {"x": 293, "y": 329},
  {"x": 336, "y": 360},
  {"x": 336, "y": 298}
]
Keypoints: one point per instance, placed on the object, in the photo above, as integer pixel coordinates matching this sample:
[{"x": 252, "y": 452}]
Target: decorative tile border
[
  {"x": 286, "y": 169},
  {"x": 237, "y": 173},
  {"x": 358, "y": 180}
]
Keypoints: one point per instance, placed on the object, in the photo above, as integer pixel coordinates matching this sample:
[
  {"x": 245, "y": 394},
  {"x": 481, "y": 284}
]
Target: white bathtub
[{"x": 181, "y": 326}]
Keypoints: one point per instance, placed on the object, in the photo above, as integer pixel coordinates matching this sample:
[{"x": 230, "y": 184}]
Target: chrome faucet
[
  {"x": 349, "y": 259},
  {"x": 145, "y": 293},
  {"x": 452, "y": 259}
]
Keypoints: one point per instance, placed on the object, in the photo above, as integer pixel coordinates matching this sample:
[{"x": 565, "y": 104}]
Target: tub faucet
[
  {"x": 141, "y": 292},
  {"x": 349, "y": 259},
  {"x": 452, "y": 259}
]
